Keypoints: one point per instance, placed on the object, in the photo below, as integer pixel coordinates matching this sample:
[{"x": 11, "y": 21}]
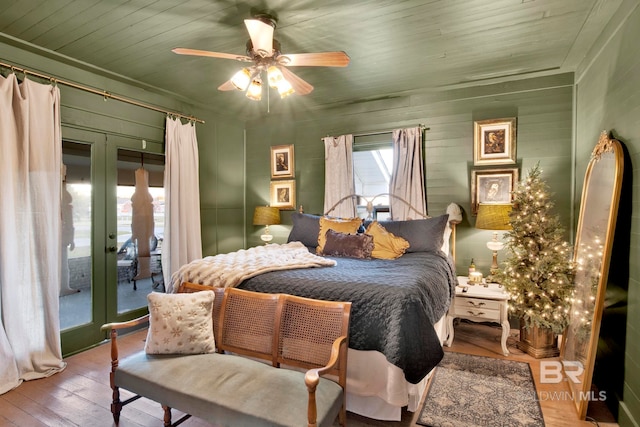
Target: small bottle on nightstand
[{"x": 472, "y": 267}]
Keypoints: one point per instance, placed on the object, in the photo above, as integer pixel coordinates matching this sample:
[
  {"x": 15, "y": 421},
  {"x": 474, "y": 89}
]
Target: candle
[{"x": 475, "y": 278}]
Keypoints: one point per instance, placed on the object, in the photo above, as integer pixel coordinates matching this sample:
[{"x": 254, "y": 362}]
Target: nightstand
[{"x": 479, "y": 304}]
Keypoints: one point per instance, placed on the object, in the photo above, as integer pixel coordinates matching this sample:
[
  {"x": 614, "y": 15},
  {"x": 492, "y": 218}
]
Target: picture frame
[
  {"x": 283, "y": 194},
  {"x": 282, "y": 161},
  {"x": 492, "y": 186},
  {"x": 494, "y": 142}
]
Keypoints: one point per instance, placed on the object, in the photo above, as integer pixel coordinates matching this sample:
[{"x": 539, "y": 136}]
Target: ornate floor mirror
[{"x": 594, "y": 240}]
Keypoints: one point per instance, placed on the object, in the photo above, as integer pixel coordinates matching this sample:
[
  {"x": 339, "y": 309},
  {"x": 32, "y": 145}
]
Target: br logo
[{"x": 551, "y": 372}]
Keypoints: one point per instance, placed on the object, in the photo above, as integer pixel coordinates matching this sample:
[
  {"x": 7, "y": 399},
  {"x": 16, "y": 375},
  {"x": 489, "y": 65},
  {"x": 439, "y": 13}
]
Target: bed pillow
[
  {"x": 305, "y": 229},
  {"x": 385, "y": 244},
  {"x": 423, "y": 235},
  {"x": 180, "y": 323},
  {"x": 343, "y": 225},
  {"x": 348, "y": 245}
]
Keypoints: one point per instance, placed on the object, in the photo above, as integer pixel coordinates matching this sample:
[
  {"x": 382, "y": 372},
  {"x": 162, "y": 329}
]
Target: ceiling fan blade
[
  {"x": 226, "y": 86},
  {"x": 300, "y": 86},
  {"x": 195, "y": 52},
  {"x": 261, "y": 36},
  {"x": 321, "y": 59}
]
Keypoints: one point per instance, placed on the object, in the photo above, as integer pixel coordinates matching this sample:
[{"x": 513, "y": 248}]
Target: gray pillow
[
  {"x": 348, "y": 245},
  {"x": 423, "y": 235},
  {"x": 306, "y": 228}
]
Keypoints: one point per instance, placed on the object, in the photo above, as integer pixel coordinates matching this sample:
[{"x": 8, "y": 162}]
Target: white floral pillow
[{"x": 180, "y": 323}]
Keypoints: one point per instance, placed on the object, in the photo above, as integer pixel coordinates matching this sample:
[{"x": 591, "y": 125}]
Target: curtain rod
[
  {"x": 103, "y": 93},
  {"x": 381, "y": 132}
]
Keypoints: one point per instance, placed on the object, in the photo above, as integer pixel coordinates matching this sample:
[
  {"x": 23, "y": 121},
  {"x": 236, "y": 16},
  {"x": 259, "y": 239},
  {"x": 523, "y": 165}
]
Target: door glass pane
[
  {"x": 75, "y": 283},
  {"x": 140, "y": 213}
]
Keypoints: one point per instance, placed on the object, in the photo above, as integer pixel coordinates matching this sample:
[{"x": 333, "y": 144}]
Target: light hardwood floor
[{"x": 80, "y": 395}]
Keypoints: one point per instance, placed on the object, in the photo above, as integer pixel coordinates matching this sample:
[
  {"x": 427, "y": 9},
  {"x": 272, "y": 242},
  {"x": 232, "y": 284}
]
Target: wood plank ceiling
[{"x": 396, "y": 47}]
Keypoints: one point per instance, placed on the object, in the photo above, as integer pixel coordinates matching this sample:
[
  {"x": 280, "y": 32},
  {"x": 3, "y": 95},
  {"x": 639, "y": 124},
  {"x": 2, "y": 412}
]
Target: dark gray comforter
[{"x": 394, "y": 303}]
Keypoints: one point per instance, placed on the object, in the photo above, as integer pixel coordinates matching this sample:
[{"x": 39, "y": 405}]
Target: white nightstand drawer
[
  {"x": 476, "y": 303},
  {"x": 477, "y": 313}
]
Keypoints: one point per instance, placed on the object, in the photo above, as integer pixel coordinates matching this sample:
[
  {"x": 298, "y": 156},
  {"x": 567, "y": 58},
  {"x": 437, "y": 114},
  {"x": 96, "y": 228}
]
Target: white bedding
[
  {"x": 230, "y": 269},
  {"x": 377, "y": 389}
]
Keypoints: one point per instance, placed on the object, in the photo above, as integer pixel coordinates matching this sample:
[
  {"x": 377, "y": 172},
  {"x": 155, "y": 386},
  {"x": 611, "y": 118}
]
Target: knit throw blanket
[{"x": 229, "y": 270}]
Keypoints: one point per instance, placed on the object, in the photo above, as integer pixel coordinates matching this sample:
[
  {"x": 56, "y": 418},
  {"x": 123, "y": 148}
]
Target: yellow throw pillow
[
  {"x": 341, "y": 225},
  {"x": 386, "y": 245}
]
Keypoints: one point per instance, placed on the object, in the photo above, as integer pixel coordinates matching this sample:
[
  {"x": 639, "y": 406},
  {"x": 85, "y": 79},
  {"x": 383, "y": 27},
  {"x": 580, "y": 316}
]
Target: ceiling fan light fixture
[
  {"x": 255, "y": 90},
  {"x": 241, "y": 79},
  {"x": 265, "y": 54},
  {"x": 274, "y": 76},
  {"x": 284, "y": 88}
]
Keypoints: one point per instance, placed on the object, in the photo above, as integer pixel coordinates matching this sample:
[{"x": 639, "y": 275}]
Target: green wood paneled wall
[
  {"x": 608, "y": 98},
  {"x": 222, "y": 181},
  {"x": 543, "y": 107}
]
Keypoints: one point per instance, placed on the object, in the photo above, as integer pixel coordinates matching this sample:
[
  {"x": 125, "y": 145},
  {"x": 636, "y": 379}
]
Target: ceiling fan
[{"x": 265, "y": 53}]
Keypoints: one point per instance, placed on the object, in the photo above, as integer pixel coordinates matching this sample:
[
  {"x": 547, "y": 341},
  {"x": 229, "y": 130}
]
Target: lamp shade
[
  {"x": 241, "y": 79},
  {"x": 266, "y": 215},
  {"x": 493, "y": 216},
  {"x": 255, "y": 90}
]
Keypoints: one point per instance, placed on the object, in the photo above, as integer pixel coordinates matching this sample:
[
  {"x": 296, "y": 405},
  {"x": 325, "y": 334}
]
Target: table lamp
[
  {"x": 266, "y": 215},
  {"x": 493, "y": 217}
]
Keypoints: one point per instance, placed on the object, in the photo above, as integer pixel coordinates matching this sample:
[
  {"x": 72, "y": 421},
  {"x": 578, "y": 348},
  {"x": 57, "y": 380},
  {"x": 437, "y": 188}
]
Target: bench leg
[
  {"x": 342, "y": 416},
  {"x": 116, "y": 405},
  {"x": 167, "y": 416}
]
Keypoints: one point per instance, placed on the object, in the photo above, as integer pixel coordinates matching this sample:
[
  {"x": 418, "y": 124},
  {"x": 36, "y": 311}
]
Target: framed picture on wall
[
  {"x": 282, "y": 162},
  {"x": 492, "y": 186},
  {"x": 283, "y": 194},
  {"x": 494, "y": 142}
]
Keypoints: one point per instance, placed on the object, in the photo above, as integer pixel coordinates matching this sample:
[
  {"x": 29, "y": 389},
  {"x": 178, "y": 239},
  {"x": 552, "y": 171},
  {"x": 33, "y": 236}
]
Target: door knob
[
  {"x": 112, "y": 249},
  {"x": 112, "y": 235}
]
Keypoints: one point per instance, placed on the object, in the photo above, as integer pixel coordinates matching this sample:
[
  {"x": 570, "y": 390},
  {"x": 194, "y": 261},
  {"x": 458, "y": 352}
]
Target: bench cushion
[{"x": 228, "y": 390}]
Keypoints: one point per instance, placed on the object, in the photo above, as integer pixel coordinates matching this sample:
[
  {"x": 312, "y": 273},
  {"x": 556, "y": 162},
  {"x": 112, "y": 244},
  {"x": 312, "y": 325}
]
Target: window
[{"x": 372, "y": 170}]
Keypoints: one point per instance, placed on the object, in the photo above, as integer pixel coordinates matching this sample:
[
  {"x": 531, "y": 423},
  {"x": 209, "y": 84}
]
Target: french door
[{"x": 107, "y": 269}]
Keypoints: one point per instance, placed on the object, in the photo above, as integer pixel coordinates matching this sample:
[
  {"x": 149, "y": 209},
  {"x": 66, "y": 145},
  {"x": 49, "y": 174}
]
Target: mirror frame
[{"x": 581, "y": 390}]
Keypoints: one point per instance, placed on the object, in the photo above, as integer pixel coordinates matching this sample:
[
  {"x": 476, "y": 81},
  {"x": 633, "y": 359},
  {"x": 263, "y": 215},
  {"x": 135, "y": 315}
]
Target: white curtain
[
  {"x": 30, "y": 230},
  {"x": 339, "y": 181},
  {"x": 182, "y": 238},
  {"x": 407, "y": 181}
]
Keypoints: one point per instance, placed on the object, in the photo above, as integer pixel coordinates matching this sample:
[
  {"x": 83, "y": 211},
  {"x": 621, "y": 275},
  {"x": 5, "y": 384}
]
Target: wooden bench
[{"x": 303, "y": 340}]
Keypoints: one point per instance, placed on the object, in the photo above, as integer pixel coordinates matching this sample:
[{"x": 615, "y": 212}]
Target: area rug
[{"x": 476, "y": 391}]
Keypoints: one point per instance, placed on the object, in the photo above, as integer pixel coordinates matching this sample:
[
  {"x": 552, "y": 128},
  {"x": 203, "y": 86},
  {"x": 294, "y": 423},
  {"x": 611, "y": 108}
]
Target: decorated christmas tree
[{"x": 538, "y": 273}]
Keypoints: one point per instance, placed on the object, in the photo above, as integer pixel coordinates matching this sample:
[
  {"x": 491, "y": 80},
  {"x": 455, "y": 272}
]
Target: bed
[{"x": 398, "y": 305}]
